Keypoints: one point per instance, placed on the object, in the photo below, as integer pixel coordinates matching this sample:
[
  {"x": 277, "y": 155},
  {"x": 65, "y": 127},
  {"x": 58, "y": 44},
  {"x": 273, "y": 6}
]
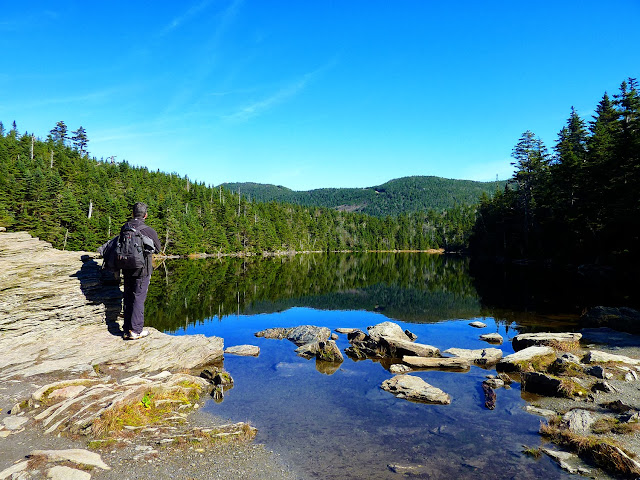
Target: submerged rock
[
  {"x": 489, "y": 395},
  {"x": 567, "y": 461},
  {"x": 410, "y": 387},
  {"x": 492, "y": 338},
  {"x": 477, "y": 324},
  {"x": 525, "y": 340},
  {"x": 243, "y": 350}
]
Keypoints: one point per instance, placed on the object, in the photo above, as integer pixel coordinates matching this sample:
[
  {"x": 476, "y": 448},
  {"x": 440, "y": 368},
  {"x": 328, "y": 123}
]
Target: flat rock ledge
[
  {"x": 243, "y": 350},
  {"x": 410, "y": 387},
  {"x": 566, "y": 341},
  {"x": 482, "y": 357},
  {"x": 56, "y": 316}
]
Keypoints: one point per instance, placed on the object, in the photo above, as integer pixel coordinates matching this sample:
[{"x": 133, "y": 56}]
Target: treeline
[
  {"x": 395, "y": 197},
  {"x": 54, "y": 190},
  {"x": 580, "y": 204}
]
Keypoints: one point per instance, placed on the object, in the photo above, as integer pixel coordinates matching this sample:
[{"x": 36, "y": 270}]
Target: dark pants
[{"x": 135, "y": 293}]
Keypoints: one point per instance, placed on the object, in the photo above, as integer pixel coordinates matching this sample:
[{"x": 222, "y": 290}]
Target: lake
[{"x": 333, "y": 421}]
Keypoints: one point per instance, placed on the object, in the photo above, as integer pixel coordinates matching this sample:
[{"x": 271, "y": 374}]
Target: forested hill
[
  {"x": 402, "y": 195},
  {"x": 53, "y": 189}
]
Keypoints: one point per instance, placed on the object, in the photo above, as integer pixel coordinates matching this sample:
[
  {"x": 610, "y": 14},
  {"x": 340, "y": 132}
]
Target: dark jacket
[{"x": 108, "y": 249}]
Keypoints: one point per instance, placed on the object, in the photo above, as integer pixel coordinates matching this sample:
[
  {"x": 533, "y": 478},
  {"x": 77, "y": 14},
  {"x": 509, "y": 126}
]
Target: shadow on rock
[{"x": 101, "y": 289}]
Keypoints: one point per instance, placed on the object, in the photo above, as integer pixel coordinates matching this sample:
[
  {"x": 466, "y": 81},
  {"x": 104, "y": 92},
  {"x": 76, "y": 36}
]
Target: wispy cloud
[
  {"x": 208, "y": 59},
  {"x": 89, "y": 97},
  {"x": 178, "y": 21},
  {"x": 277, "y": 98}
]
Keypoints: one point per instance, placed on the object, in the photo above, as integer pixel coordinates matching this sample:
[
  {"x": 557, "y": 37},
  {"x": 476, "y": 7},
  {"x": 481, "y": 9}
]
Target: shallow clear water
[{"x": 334, "y": 422}]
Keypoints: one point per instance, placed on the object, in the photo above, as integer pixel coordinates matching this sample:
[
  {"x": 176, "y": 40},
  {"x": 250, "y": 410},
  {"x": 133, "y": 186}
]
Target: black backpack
[{"x": 129, "y": 254}]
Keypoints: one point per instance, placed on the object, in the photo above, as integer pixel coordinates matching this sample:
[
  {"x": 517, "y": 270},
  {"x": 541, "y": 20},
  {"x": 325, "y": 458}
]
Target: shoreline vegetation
[{"x": 288, "y": 253}]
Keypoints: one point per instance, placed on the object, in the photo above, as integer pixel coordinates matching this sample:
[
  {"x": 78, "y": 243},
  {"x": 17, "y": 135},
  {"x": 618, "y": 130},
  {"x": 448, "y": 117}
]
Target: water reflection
[
  {"x": 410, "y": 287},
  {"x": 333, "y": 421}
]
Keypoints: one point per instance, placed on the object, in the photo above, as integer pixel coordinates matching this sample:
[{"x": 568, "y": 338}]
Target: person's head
[{"x": 139, "y": 210}]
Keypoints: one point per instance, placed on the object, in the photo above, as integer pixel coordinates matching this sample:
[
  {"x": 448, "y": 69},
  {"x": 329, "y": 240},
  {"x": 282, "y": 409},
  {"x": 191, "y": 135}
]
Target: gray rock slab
[
  {"x": 67, "y": 392},
  {"x": 567, "y": 461},
  {"x": 482, "y": 356},
  {"x": 13, "y": 422},
  {"x": 388, "y": 330},
  {"x": 597, "y": 356},
  {"x": 53, "y": 318},
  {"x": 13, "y": 469},
  {"x": 346, "y": 331},
  {"x": 78, "y": 456},
  {"x": 543, "y": 412},
  {"x": 414, "y": 388},
  {"x": 60, "y": 472},
  {"x": 243, "y": 350},
  {"x": 579, "y": 421},
  {"x": 525, "y": 340},
  {"x": 397, "y": 347},
  {"x": 300, "y": 335},
  {"x": 436, "y": 362}
]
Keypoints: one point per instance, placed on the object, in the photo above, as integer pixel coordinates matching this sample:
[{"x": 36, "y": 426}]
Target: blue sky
[{"x": 312, "y": 93}]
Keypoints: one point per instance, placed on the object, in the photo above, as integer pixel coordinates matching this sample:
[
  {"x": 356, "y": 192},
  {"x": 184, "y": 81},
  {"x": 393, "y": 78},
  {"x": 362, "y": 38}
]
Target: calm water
[{"x": 334, "y": 422}]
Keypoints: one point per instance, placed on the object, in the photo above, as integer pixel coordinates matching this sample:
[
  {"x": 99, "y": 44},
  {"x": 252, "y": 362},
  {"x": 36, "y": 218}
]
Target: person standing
[{"x": 136, "y": 281}]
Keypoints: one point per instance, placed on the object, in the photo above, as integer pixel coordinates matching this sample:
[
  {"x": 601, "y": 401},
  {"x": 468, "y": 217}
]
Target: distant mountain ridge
[{"x": 401, "y": 195}]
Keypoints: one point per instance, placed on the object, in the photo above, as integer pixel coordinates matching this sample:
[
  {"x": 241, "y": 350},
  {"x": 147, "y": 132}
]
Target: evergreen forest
[
  {"x": 579, "y": 204},
  {"x": 53, "y": 189}
]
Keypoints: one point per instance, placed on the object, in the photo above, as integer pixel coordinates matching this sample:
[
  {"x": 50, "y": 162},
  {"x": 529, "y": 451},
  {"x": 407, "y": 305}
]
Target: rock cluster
[
  {"x": 312, "y": 341},
  {"x": 603, "y": 384}
]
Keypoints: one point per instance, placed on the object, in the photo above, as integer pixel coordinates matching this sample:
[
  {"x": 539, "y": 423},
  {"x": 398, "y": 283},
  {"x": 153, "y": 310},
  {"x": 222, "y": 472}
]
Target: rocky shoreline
[
  {"x": 589, "y": 398},
  {"x": 74, "y": 392}
]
